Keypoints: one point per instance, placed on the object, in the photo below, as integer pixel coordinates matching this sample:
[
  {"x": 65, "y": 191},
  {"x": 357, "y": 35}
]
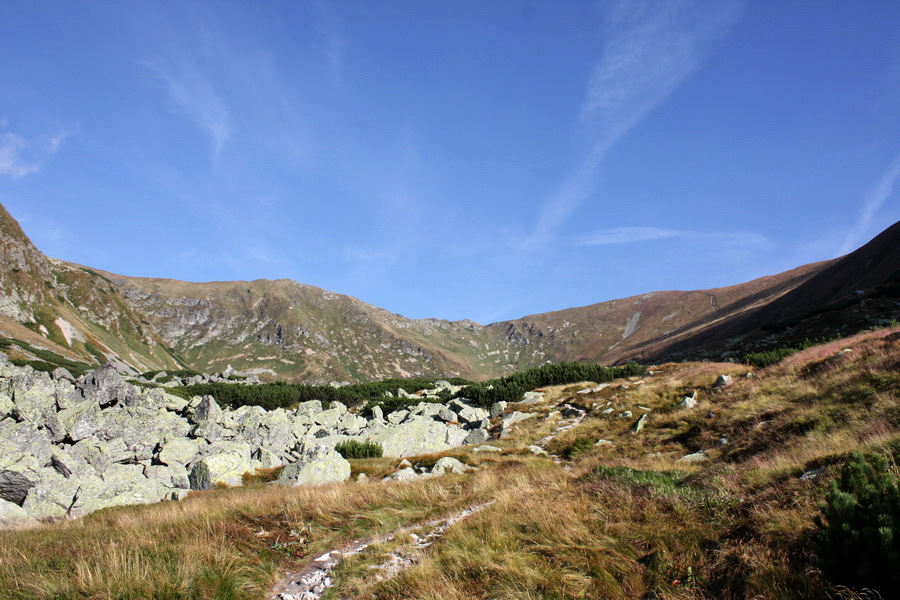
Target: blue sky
[{"x": 482, "y": 160}]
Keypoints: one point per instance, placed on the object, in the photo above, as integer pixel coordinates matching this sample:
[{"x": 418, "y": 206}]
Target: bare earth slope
[{"x": 300, "y": 332}]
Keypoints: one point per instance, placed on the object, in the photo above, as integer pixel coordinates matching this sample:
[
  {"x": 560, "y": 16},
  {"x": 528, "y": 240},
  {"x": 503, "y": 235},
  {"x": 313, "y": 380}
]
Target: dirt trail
[{"x": 311, "y": 582}]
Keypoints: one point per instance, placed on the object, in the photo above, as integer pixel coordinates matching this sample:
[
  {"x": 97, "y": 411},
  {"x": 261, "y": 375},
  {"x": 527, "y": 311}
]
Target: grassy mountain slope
[
  {"x": 290, "y": 330},
  {"x": 75, "y": 311},
  {"x": 627, "y": 519}
]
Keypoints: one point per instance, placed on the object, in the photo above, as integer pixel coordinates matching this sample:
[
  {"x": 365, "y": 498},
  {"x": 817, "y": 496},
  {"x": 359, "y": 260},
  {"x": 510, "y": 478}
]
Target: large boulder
[
  {"x": 448, "y": 464},
  {"x": 34, "y": 396},
  {"x": 225, "y": 464},
  {"x": 81, "y": 421},
  {"x": 419, "y": 436},
  {"x": 106, "y": 387},
  {"x": 178, "y": 451},
  {"x": 317, "y": 465},
  {"x": 207, "y": 411},
  {"x": 12, "y": 514},
  {"x": 15, "y": 483}
]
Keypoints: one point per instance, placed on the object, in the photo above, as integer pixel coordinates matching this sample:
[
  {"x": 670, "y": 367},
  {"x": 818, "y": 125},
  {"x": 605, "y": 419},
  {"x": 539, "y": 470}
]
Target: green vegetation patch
[
  {"x": 511, "y": 387},
  {"x": 46, "y": 360},
  {"x": 770, "y": 357},
  {"x": 355, "y": 449},
  {"x": 858, "y": 540},
  {"x": 281, "y": 395}
]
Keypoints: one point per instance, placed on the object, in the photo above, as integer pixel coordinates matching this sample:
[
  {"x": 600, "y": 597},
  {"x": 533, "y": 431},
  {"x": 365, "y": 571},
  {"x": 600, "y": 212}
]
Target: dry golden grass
[{"x": 626, "y": 520}]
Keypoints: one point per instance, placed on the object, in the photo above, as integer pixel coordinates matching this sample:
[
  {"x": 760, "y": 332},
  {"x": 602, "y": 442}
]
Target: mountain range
[{"x": 288, "y": 330}]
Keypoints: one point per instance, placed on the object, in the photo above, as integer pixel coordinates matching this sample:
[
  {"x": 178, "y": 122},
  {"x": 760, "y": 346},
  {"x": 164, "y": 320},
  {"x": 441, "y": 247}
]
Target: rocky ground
[{"x": 70, "y": 446}]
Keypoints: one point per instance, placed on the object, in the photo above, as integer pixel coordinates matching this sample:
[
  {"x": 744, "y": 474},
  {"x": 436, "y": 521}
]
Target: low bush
[
  {"x": 858, "y": 540},
  {"x": 512, "y": 387},
  {"x": 355, "y": 449}
]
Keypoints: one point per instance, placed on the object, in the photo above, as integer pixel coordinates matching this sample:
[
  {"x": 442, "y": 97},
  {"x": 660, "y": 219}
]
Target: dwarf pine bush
[
  {"x": 858, "y": 541},
  {"x": 355, "y": 449}
]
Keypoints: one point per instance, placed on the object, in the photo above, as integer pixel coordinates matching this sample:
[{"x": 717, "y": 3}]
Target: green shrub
[
  {"x": 578, "y": 447},
  {"x": 355, "y": 449},
  {"x": 511, "y": 387},
  {"x": 858, "y": 540}
]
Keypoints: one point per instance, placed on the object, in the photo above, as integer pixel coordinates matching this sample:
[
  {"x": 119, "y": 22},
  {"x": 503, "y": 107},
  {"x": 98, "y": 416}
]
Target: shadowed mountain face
[{"x": 296, "y": 331}]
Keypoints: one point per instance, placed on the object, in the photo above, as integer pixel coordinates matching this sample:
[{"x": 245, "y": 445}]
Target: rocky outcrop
[{"x": 70, "y": 446}]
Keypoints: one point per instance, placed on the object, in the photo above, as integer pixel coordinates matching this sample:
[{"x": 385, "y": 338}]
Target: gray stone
[
  {"x": 687, "y": 402},
  {"x": 6, "y": 404},
  {"x": 411, "y": 438},
  {"x": 476, "y": 436},
  {"x": 12, "y": 514},
  {"x": 106, "y": 387},
  {"x": 172, "y": 476},
  {"x": 397, "y": 416},
  {"x": 473, "y": 415},
  {"x": 447, "y": 415},
  {"x": 267, "y": 459},
  {"x": 722, "y": 381},
  {"x": 640, "y": 423},
  {"x": 497, "y": 409},
  {"x": 603, "y": 443},
  {"x": 350, "y": 423},
  {"x": 81, "y": 421},
  {"x": 207, "y": 411},
  {"x": 406, "y": 474},
  {"x": 329, "y": 418},
  {"x": 66, "y": 464},
  {"x": 35, "y": 396},
  {"x": 532, "y": 397},
  {"x": 696, "y": 457},
  {"x": 15, "y": 484},
  {"x": 178, "y": 451},
  {"x": 448, "y": 464},
  {"x": 377, "y": 413},
  {"x": 455, "y": 436},
  {"x": 537, "y": 451},
  {"x": 223, "y": 466},
  {"x": 309, "y": 408},
  {"x": 511, "y": 420},
  {"x": 25, "y": 439},
  {"x": 317, "y": 465},
  {"x": 486, "y": 448}
]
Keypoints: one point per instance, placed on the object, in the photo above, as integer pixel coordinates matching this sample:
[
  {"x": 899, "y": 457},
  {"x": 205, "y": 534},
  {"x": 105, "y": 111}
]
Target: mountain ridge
[{"x": 292, "y": 330}]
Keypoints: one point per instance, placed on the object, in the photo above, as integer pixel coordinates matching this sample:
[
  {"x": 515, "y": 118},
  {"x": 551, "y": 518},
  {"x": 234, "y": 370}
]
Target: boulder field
[{"x": 70, "y": 446}]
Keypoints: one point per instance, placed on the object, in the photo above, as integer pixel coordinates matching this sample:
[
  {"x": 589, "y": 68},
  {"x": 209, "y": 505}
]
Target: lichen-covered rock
[
  {"x": 15, "y": 483},
  {"x": 405, "y": 474},
  {"x": 178, "y": 451},
  {"x": 35, "y": 396},
  {"x": 225, "y": 463},
  {"x": 328, "y": 418},
  {"x": 516, "y": 417},
  {"x": 497, "y": 409},
  {"x": 207, "y": 410},
  {"x": 317, "y": 465},
  {"x": 448, "y": 464},
  {"x": 476, "y": 436},
  {"x": 106, "y": 387},
  {"x": 470, "y": 414},
  {"x": 13, "y": 514},
  {"x": 419, "y": 436},
  {"x": 81, "y": 421}
]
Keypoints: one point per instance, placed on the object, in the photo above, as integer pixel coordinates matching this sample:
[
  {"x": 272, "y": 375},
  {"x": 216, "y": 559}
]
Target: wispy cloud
[
  {"x": 872, "y": 203},
  {"x": 20, "y": 156},
  {"x": 628, "y": 235},
  {"x": 650, "y": 49},
  {"x": 193, "y": 92}
]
